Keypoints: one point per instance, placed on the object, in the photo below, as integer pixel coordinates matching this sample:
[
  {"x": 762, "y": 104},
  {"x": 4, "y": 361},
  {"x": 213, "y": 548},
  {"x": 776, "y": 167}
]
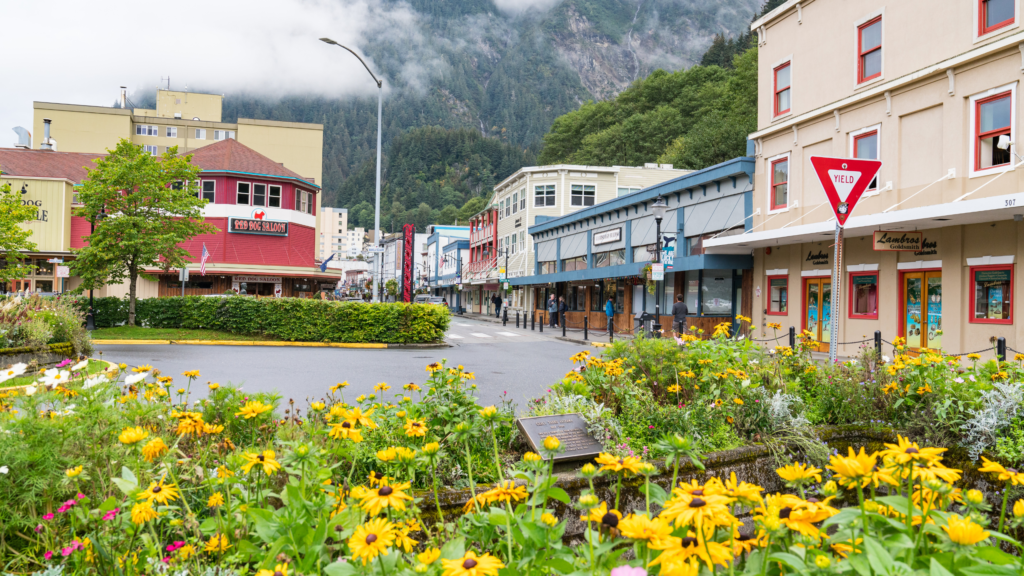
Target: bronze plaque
[{"x": 571, "y": 431}]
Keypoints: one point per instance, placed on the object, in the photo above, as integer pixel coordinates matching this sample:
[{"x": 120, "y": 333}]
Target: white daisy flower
[
  {"x": 94, "y": 381},
  {"x": 134, "y": 378},
  {"x": 4, "y": 469},
  {"x": 30, "y": 390},
  {"x": 80, "y": 365},
  {"x": 16, "y": 370},
  {"x": 53, "y": 377}
]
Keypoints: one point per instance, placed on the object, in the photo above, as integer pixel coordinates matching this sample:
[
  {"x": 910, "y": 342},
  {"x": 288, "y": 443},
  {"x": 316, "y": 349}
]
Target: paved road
[{"x": 522, "y": 363}]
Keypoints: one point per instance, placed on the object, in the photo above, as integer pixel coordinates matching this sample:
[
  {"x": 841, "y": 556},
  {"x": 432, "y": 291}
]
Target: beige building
[
  {"x": 930, "y": 88},
  {"x": 537, "y": 193},
  {"x": 336, "y": 237},
  {"x": 188, "y": 120}
]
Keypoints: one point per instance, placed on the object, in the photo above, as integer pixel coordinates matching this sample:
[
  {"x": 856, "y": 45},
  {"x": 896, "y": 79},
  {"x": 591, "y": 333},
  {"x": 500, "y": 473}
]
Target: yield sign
[{"x": 844, "y": 180}]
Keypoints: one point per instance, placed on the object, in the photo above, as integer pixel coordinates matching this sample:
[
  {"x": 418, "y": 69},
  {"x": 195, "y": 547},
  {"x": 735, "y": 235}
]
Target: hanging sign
[
  {"x": 608, "y": 236},
  {"x": 254, "y": 226},
  {"x": 844, "y": 181},
  {"x": 657, "y": 271},
  {"x": 884, "y": 241}
]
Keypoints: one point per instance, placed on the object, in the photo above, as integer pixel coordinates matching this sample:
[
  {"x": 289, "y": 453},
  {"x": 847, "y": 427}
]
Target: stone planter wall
[{"x": 53, "y": 354}]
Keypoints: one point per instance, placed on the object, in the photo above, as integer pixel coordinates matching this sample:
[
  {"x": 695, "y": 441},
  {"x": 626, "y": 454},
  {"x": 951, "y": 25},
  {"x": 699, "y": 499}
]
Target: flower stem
[
  {"x": 472, "y": 485},
  {"x": 1002, "y": 513}
]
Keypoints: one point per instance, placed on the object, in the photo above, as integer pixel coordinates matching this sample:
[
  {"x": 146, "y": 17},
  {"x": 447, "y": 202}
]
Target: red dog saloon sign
[
  {"x": 844, "y": 181},
  {"x": 253, "y": 226}
]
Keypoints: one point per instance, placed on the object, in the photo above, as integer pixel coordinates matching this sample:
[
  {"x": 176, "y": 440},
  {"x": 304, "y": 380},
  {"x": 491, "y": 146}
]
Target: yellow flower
[
  {"x": 640, "y": 527},
  {"x": 218, "y": 544},
  {"x": 973, "y": 356},
  {"x": 1004, "y": 474},
  {"x": 131, "y": 435},
  {"x": 905, "y": 451},
  {"x": 159, "y": 492},
  {"x": 429, "y": 556},
  {"x": 382, "y": 387},
  {"x": 223, "y": 472},
  {"x": 548, "y": 519},
  {"x": 279, "y": 570},
  {"x": 141, "y": 369},
  {"x": 854, "y": 469},
  {"x": 415, "y": 428},
  {"x": 1018, "y": 509},
  {"x": 504, "y": 492},
  {"x": 265, "y": 460},
  {"x": 214, "y": 386},
  {"x": 472, "y": 565},
  {"x": 434, "y": 367},
  {"x": 698, "y": 510},
  {"x": 339, "y": 386},
  {"x": 346, "y": 430},
  {"x": 963, "y": 531},
  {"x": 253, "y": 409},
  {"x": 72, "y": 472},
  {"x": 488, "y": 412},
  {"x": 924, "y": 389},
  {"x": 371, "y": 539},
  {"x": 387, "y": 496},
  {"x": 799, "y": 473},
  {"x": 551, "y": 443},
  {"x": 143, "y": 512},
  {"x": 738, "y": 401},
  {"x": 215, "y": 500},
  {"x": 387, "y": 455},
  {"x": 154, "y": 449},
  {"x": 431, "y": 448},
  {"x": 191, "y": 374},
  {"x": 610, "y": 463},
  {"x": 531, "y": 457},
  {"x": 822, "y": 561}
]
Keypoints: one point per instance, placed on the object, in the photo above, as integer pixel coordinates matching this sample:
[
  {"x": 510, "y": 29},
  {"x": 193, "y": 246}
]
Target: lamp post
[
  {"x": 376, "y": 208},
  {"x": 658, "y": 208}
]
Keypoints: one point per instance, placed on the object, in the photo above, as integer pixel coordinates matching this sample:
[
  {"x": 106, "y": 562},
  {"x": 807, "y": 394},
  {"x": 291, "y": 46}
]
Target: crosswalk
[{"x": 480, "y": 333}]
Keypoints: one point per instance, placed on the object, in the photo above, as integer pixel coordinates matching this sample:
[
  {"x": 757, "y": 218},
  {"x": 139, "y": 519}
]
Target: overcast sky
[{"x": 80, "y": 52}]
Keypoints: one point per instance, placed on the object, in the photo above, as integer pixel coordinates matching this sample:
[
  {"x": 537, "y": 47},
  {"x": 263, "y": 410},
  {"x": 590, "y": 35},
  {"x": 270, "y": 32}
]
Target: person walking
[
  {"x": 497, "y": 305},
  {"x": 552, "y": 311},
  {"x": 562, "y": 309},
  {"x": 609, "y": 309},
  {"x": 679, "y": 313}
]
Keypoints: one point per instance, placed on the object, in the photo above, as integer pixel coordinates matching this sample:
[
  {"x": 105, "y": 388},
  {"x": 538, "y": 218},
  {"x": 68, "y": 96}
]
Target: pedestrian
[
  {"x": 562, "y": 309},
  {"x": 679, "y": 313},
  {"x": 609, "y": 309},
  {"x": 497, "y": 305},
  {"x": 552, "y": 311}
]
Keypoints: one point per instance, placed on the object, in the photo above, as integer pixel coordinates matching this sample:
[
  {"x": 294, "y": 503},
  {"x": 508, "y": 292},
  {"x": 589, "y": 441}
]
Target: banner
[{"x": 408, "y": 243}]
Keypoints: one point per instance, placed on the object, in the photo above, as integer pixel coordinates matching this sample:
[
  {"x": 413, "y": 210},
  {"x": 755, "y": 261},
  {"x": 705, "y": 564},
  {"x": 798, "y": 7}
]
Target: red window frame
[
  {"x": 982, "y": 30},
  {"x": 971, "y": 271},
  {"x": 776, "y": 91},
  {"x": 979, "y": 135},
  {"x": 768, "y": 309},
  {"x": 861, "y": 53},
  {"x": 878, "y": 291},
  {"x": 772, "y": 184},
  {"x": 856, "y": 141}
]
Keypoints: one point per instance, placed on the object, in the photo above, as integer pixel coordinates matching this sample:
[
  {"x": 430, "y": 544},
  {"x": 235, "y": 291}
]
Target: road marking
[
  {"x": 456, "y": 336},
  {"x": 480, "y": 335},
  {"x": 467, "y": 325},
  {"x": 508, "y": 334}
]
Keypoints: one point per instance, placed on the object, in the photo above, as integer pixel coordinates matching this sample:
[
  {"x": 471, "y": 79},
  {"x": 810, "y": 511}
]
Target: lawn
[{"x": 140, "y": 333}]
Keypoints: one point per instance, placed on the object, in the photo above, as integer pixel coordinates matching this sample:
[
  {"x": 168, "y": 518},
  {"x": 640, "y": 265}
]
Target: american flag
[{"x": 202, "y": 261}]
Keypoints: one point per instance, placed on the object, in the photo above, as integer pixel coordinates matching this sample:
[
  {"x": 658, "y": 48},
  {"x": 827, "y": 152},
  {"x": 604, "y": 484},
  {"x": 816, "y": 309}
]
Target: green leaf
[
  {"x": 994, "y": 555},
  {"x": 128, "y": 475},
  {"x": 563, "y": 566},
  {"x": 453, "y": 549},
  {"x": 125, "y": 486},
  {"x": 877, "y": 555},
  {"x": 657, "y": 494},
  {"x": 497, "y": 518},
  {"x": 989, "y": 570},
  {"x": 341, "y": 568},
  {"x": 265, "y": 523},
  {"x": 558, "y": 494},
  {"x": 860, "y": 564},
  {"x": 938, "y": 569},
  {"x": 789, "y": 560}
]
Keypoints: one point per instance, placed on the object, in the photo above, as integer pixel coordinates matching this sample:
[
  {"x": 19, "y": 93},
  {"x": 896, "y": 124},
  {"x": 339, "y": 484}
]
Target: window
[
  {"x": 515, "y": 202},
  {"x": 200, "y": 133},
  {"x": 582, "y": 195},
  {"x": 151, "y": 150},
  {"x": 508, "y": 208},
  {"x": 259, "y": 195},
  {"x": 303, "y": 201},
  {"x": 993, "y": 118},
  {"x": 522, "y": 240},
  {"x": 716, "y": 292},
  {"x": 223, "y": 134},
  {"x": 512, "y": 244},
  {"x": 544, "y": 195},
  {"x": 172, "y": 132},
  {"x": 869, "y": 50},
  {"x": 644, "y": 253},
  {"x": 177, "y": 185},
  {"x": 780, "y": 183},
  {"x": 243, "y": 193},
  {"x": 783, "y": 98},
  {"x": 992, "y": 289},
  {"x": 610, "y": 258},
  {"x": 274, "y": 201},
  {"x": 548, "y": 267},
  {"x": 778, "y": 295},
  {"x": 624, "y": 190},
  {"x": 146, "y": 130},
  {"x": 522, "y": 199},
  {"x": 865, "y": 145},
  {"x": 864, "y": 295},
  {"x": 994, "y": 14}
]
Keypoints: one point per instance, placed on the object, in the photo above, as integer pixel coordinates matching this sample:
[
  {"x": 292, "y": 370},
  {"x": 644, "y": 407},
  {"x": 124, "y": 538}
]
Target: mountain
[{"x": 472, "y": 65}]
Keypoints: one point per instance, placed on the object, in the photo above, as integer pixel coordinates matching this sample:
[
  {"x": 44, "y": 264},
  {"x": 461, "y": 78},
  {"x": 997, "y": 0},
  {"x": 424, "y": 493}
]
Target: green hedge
[{"x": 292, "y": 319}]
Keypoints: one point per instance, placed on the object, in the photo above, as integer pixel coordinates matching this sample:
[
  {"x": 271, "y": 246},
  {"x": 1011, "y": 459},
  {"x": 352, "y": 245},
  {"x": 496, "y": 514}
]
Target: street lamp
[
  {"x": 658, "y": 208},
  {"x": 376, "y": 213}
]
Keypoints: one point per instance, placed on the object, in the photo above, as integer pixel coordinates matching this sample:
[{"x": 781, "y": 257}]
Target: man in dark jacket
[
  {"x": 552, "y": 311},
  {"x": 679, "y": 313},
  {"x": 496, "y": 300},
  {"x": 562, "y": 309}
]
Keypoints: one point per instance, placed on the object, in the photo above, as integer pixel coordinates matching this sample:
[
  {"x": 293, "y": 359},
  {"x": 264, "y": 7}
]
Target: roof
[
  {"x": 229, "y": 155},
  {"x": 46, "y": 164}
]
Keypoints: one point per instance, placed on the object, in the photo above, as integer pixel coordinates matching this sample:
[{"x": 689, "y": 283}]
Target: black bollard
[
  {"x": 792, "y": 338},
  {"x": 585, "y": 326},
  {"x": 878, "y": 344},
  {"x": 563, "y": 324},
  {"x": 504, "y": 317},
  {"x": 517, "y": 318},
  {"x": 1001, "y": 349},
  {"x": 533, "y": 320}
]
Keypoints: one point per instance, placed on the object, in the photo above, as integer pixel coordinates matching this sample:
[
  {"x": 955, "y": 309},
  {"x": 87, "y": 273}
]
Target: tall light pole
[
  {"x": 658, "y": 208},
  {"x": 376, "y": 208}
]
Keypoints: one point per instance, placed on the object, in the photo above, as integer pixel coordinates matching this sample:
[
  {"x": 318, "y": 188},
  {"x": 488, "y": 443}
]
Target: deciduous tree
[{"x": 14, "y": 237}]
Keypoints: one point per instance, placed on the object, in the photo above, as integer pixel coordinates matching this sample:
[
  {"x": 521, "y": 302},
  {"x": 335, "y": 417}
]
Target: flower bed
[
  {"x": 46, "y": 330},
  {"x": 123, "y": 473}
]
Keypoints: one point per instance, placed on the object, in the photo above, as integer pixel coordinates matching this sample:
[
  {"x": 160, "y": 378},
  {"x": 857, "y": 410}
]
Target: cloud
[
  {"x": 516, "y": 6},
  {"x": 76, "y": 52}
]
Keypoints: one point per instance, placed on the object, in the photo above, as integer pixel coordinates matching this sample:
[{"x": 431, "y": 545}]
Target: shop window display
[{"x": 993, "y": 294}]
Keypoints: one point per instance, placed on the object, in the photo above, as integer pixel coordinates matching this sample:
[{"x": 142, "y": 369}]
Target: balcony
[{"x": 482, "y": 268}]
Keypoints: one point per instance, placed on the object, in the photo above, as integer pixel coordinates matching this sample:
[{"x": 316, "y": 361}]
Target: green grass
[
  {"x": 139, "y": 333},
  {"x": 93, "y": 367}
]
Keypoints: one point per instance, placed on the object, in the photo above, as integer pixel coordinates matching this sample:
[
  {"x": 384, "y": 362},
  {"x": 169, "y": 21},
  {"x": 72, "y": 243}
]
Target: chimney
[
  {"x": 24, "y": 138},
  {"x": 124, "y": 97},
  {"x": 46, "y": 144}
]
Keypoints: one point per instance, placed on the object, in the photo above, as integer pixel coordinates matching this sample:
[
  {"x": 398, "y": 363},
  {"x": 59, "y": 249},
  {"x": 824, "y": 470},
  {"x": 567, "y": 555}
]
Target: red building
[{"x": 481, "y": 279}]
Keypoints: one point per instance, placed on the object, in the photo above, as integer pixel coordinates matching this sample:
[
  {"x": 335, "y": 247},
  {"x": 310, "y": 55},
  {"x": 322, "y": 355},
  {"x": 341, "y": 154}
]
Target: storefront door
[
  {"x": 818, "y": 310},
  {"x": 922, "y": 309}
]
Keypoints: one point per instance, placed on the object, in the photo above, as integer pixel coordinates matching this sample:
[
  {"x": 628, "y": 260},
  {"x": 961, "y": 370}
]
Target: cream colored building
[
  {"x": 333, "y": 232},
  {"x": 537, "y": 193},
  {"x": 188, "y": 120},
  {"x": 931, "y": 88}
]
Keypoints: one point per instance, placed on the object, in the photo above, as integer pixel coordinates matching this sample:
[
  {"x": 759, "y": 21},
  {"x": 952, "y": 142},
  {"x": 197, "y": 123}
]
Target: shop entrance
[
  {"x": 922, "y": 309},
  {"x": 818, "y": 310},
  {"x": 259, "y": 289}
]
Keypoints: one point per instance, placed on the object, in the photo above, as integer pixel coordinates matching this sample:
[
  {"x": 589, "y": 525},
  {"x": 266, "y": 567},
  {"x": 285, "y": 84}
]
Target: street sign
[
  {"x": 375, "y": 249},
  {"x": 657, "y": 271},
  {"x": 55, "y": 260},
  {"x": 506, "y": 285},
  {"x": 183, "y": 275},
  {"x": 844, "y": 180},
  {"x": 501, "y": 274},
  {"x": 63, "y": 271}
]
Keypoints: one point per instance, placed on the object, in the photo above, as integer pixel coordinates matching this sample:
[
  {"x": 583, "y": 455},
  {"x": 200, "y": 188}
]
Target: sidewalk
[{"x": 573, "y": 335}]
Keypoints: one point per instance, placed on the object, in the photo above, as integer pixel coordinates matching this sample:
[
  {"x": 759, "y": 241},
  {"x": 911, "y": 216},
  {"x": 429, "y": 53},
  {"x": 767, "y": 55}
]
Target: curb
[
  {"x": 583, "y": 342},
  {"x": 365, "y": 345}
]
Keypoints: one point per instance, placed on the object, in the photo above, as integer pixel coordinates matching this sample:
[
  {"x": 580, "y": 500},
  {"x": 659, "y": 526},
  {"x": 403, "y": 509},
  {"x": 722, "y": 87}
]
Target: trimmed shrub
[{"x": 292, "y": 319}]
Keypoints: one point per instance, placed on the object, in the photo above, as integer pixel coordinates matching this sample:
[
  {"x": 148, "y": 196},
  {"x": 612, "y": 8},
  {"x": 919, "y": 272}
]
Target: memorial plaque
[{"x": 570, "y": 429}]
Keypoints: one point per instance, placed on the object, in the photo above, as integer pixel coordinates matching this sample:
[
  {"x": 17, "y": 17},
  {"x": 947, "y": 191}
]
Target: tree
[
  {"x": 143, "y": 208},
  {"x": 14, "y": 238}
]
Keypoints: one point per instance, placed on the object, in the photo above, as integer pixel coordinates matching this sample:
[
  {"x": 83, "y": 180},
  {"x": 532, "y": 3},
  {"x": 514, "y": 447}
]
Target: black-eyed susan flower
[
  {"x": 610, "y": 463},
  {"x": 429, "y": 556},
  {"x": 415, "y": 428},
  {"x": 143, "y": 512},
  {"x": 472, "y": 565},
  {"x": 154, "y": 449},
  {"x": 905, "y": 451},
  {"x": 640, "y": 527},
  {"x": 1002, "y": 474},
  {"x": 346, "y": 430},
  {"x": 279, "y": 570},
  {"x": 963, "y": 531},
  {"x": 265, "y": 460},
  {"x": 371, "y": 540},
  {"x": 159, "y": 492},
  {"x": 799, "y": 474},
  {"x": 391, "y": 496},
  {"x": 213, "y": 386},
  {"x": 690, "y": 510},
  {"x": 684, "y": 555},
  {"x": 549, "y": 519},
  {"x": 252, "y": 409},
  {"x": 218, "y": 544}
]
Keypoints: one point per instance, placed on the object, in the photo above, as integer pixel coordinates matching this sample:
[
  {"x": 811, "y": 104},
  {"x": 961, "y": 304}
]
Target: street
[{"x": 521, "y": 363}]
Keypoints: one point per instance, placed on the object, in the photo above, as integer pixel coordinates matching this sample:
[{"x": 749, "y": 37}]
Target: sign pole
[{"x": 837, "y": 285}]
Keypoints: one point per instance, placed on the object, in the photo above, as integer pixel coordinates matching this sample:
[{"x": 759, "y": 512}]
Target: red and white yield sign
[{"x": 844, "y": 180}]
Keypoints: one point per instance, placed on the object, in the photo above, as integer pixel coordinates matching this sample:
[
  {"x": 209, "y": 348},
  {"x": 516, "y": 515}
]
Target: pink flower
[
  {"x": 48, "y": 555},
  {"x": 39, "y": 528},
  {"x": 67, "y": 551},
  {"x": 628, "y": 571},
  {"x": 112, "y": 514},
  {"x": 79, "y": 496},
  {"x": 48, "y": 516},
  {"x": 175, "y": 546},
  {"x": 651, "y": 427}
]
